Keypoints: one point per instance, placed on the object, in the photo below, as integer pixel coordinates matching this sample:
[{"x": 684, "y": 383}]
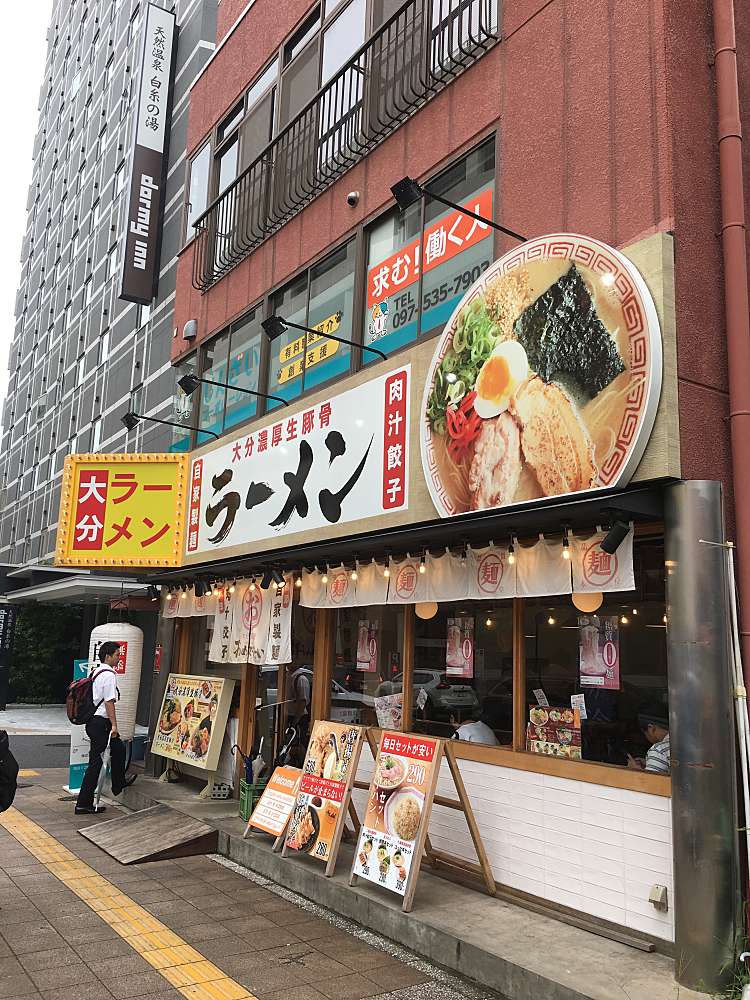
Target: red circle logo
[
  {"x": 406, "y": 581},
  {"x": 599, "y": 568},
  {"x": 338, "y": 586},
  {"x": 490, "y": 573},
  {"x": 252, "y": 605}
]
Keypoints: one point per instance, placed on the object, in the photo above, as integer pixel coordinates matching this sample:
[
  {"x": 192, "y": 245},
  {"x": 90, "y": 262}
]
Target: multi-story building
[
  {"x": 81, "y": 356},
  {"x": 602, "y": 123}
]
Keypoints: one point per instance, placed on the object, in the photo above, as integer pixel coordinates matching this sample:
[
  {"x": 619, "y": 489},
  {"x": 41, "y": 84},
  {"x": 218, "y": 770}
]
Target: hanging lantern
[
  {"x": 588, "y": 602},
  {"x": 426, "y": 609}
]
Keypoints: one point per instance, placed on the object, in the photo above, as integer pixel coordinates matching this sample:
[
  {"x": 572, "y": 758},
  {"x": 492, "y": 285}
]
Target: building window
[
  {"x": 200, "y": 167},
  {"x": 212, "y": 398},
  {"x": 112, "y": 262},
  {"x": 418, "y": 269},
  {"x": 182, "y": 409},
  {"x": 81, "y": 370},
  {"x": 144, "y": 315},
  {"x": 104, "y": 347},
  {"x": 243, "y": 369},
  {"x": 120, "y": 178},
  {"x": 96, "y": 213},
  {"x": 96, "y": 434},
  {"x": 87, "y": 292},
  {"x": 321, "y": 298}
]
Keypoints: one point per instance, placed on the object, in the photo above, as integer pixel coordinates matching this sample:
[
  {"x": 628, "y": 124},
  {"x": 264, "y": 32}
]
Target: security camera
[{"x": 352, "y": 199}]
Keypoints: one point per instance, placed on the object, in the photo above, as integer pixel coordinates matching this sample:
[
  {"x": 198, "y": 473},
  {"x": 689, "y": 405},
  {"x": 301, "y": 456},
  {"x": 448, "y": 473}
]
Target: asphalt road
[{"x": 40, "y": 751}]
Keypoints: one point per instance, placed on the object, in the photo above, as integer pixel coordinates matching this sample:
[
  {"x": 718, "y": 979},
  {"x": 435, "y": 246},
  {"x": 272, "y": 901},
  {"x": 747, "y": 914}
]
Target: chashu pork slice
[
  {"x": 496, "y": 466},
  {"x": 554, "y": 440}
]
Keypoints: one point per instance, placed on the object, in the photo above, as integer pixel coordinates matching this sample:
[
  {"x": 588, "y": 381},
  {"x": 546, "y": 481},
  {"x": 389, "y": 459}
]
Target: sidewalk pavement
[
  {"x": 77, "y": 925},
  {"x": 41, "y": 720}
]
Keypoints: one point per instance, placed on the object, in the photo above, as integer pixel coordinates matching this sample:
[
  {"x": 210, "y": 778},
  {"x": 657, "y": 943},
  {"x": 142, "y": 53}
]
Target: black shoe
[
  {"x": 129, "y": 779},
  {"x": 89, "y": 810}
]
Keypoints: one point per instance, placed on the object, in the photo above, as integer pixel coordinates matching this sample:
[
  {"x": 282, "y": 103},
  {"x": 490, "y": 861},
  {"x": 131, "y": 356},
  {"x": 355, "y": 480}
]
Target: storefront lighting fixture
[
  {"x": 298, "y": 581},
  {"x": 190, "y": 382},
  {"x": 407, "y": 192},
  {"x": 153, "y": 592},
  {"x": 511, "y": 552},
  {"x": 277, "y": 577},
  {"x": 200, "y": 588},
  {"x": 614, "y": 537},
  {"x": 386, "y": 571},
  {"x": 550, "y": 620},
  {"x": 130, "y": 419},
  {"x": 664, "y": 619},
  {"x": 252, "y": 584},
  {"x": 324, "y": 578},
  {"x": 566, "y": 545},
  {"x": 353, "y": 574},
  {"x": 422, "y": 567},
  {"x": 275, "y": 326},
  {"x": 624, "y": 620},
  {"x": 635, "y": 611},
  {"x": 232, "y": 586},
  {"x": 183, "y": 595},
  {"x": 215, "y": 590},
  {"x": 266, "y": 580},
  {"x": 488, "y": 623}
]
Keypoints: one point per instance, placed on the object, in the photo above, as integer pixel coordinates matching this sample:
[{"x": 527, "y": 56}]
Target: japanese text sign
[
  {"x": 192, "y": 719},
  {"x": 398, "y": 809},
  {"x": 599, "y": 651},
  {"x": 341, "y": 460},
  {"x": 323, "y": 795},
  {"x": 145, "y": 211},
  {"x": 122, "y": 510}
]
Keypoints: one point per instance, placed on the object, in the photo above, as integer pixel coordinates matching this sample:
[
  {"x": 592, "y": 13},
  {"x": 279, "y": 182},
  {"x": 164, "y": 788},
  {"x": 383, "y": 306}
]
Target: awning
[{"x": 79, "y": 588}]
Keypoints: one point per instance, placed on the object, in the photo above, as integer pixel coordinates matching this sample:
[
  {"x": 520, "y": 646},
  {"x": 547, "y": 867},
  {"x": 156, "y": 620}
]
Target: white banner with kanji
[
  {"x": 596, "y": 570},
  {"x": 279, "y": 642},
  {"x": 490, "y": 574},
  {"x": 219, "y": 650},
  {"x": 408, "y": 581},
  {"x": 342, "y": 460}
]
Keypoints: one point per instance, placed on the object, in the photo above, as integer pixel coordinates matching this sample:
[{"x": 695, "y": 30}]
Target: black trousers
[{"x": 97, "y": 730}]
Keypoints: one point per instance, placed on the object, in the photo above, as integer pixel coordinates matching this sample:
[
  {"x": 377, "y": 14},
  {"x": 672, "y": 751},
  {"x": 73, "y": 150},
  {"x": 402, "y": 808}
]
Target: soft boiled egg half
[{"x": 499, "y": 377}]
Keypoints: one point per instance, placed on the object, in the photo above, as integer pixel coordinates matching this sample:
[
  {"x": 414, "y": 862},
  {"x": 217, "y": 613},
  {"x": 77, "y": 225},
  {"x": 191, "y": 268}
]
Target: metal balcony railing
[{"x": 423, "y": 47}]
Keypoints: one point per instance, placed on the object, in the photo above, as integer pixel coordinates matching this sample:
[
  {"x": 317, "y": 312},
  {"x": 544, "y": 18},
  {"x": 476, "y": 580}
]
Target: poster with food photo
[
  {"x": 599, "y": 651},
  {"x": 398, "y": 808},
  {"x": 459, "y": 648},
  {"x": 545, "y": 380},
  {"x": 323, "y": 796},
  {"x": 554, "y": 732},
  {"x": 192, "y": 719}
]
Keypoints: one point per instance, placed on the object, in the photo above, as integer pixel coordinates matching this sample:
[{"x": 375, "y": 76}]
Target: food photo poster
[
  {"x": 192, "y": 719},
  {"x": 398, "y": 809},
  {"x": 321, "y": 801}
]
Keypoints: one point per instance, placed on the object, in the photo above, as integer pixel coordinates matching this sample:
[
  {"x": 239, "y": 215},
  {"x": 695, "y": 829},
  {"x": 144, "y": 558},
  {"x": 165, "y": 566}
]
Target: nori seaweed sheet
[{"x": 561, "y": 332}]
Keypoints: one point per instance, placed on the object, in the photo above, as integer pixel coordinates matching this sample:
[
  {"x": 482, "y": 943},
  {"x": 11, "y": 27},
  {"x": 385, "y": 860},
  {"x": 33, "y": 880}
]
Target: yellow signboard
[
  {"x": 122, "y": 510},
  {"x": 309, "y": 349}
]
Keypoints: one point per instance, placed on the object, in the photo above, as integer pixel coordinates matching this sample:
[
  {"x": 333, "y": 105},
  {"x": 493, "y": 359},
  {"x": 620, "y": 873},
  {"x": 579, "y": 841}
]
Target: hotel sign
[{"x": 140, "y": 265}]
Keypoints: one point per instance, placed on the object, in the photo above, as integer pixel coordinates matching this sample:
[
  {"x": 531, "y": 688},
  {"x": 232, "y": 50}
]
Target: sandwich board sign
[
  {"x": 271, "y": 814},
  {"x": 324, "y": 794}
]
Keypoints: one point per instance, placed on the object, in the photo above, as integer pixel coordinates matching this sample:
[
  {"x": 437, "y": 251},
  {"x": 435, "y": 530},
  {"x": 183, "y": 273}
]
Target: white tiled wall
[{"x": 593, "y": 848}]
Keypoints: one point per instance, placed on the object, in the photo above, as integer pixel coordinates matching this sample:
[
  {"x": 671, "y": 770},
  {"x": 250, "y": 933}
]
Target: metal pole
[{"x": 708, "y": 902}]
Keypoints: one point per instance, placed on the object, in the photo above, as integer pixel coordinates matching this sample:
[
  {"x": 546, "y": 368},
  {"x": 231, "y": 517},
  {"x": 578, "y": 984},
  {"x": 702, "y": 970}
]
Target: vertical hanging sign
[{"x": 140, "y": 265}]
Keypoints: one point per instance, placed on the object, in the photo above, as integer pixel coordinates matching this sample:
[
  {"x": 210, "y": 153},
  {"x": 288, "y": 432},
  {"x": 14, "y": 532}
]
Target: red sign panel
[
  {"x": 395, "y": 429},
  {"x": 90, "y": 509},
  {"x": 194, "y": 506}
]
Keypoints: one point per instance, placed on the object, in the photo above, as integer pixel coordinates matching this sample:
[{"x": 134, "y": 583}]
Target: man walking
[{"x": 102, "y": 728}]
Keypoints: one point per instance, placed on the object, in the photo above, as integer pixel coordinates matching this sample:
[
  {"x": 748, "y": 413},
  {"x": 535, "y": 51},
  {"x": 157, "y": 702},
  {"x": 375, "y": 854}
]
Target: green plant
[{"x": 47, "y": 640}]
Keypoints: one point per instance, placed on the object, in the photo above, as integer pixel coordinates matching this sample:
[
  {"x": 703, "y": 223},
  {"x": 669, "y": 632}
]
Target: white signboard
[{"x": 344, "y": 459}]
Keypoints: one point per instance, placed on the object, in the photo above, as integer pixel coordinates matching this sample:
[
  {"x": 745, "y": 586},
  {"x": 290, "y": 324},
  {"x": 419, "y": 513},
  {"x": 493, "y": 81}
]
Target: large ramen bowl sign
[{"x": 545, "y": 381}]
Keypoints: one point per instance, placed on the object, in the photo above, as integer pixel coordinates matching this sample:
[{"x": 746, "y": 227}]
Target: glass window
[
  {"x": 104, "y": 347},
  {"x": 302, "y": 361},
  {"x": 261, "y": 85},
  {"x": 112, "y": 262},
  {"x": 227, "y": 163},
  {"x": 232, "y": 119},
  {"x": 244, "y": 368},
  {"x": 87, "y": 290},
  {"x": 182, "y": 409},
  {"x": 81, "y": 370},
  {"x": 295, "y": 45},
  {"x": 96, "y": 434},
  {"x": 200, "y": 167},
  {"x": 451, "y": 252},
  {"x": 120, "y": 178},
  {"x": 343, "y": 38},
  {"x": 463, "y": 672},
  {"x": 144, "y": 315},
  {"x": 211, "y": 414},
  {"x": 615, "y": 656},
  {"x": 365, "y": 680}
]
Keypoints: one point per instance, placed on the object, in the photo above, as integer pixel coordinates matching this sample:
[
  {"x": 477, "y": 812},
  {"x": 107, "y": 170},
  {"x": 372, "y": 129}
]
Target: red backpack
[{"x": 79, "y": 700}]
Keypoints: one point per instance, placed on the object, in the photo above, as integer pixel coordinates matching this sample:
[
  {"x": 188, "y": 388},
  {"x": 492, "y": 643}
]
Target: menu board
[
  {"x": 554, "y": 732},
  {"x": 389, "y": 709},
  {"x": 398, "y": 808},
  {"x": 323, "y": 796},
  {"x": 277, "y": 801},
  {"x": 192, "y": 719}
]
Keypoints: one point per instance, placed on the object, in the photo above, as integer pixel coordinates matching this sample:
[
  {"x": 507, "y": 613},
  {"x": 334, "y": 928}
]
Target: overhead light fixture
[
  {"x": 275, "y": 326},
  {"x": 266, "y": 581},
  {"x": 298, "y": 581},
  {"x": 511, "y": 552},
  {"x": 252, "y": 584},
  {"x": 551, "y": 620},
  {"x": 215, "y": 590},
  {"x": 131, "y": 419},
  {"x": 232, "y": 586},
  {"x": 324, "y": 578},
  {"x": 353, "y": 575},
  {"x": 614, "y": 537},
  {"x": 200, "y": 588},
  {"x": 190, "y": 382},
  {"x": 624, "y": 620},
  {"x": 386, "y": 571},
  {"x": 422, "y": 567},
  {"x": 488, "y": 623},
  {"x": 278, "y": 577},
  {"x": 566, "y": 545},
  {"x": 183, "y": 595},
  {"x": 407, "y": 192}
]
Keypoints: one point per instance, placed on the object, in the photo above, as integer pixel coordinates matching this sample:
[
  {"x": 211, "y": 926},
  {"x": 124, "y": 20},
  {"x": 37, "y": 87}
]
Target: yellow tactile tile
[
  {"x": 173, "y": 958},
  {"x": 26, "y": 772}
]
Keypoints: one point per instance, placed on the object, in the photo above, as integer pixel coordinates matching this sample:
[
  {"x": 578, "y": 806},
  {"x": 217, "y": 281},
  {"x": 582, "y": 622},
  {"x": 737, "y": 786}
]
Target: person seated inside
[
  {"x": 475, "y": 730},
  {"x": 653, "y": 720}
]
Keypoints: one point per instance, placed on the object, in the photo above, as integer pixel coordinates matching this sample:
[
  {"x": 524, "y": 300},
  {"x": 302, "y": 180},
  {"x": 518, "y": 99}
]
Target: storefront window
[
  {"x": 211, "y": 416},
  {"x": 321, "y": 298},
  {"x": 611, "y": 662},
  {"x": 463, "y": 672},
  {"x": 366, "y": 677},
  {"x": 450, "y": 252},
  {"x": 244, "y": 368},
  {"x": 182, "y": 409}
]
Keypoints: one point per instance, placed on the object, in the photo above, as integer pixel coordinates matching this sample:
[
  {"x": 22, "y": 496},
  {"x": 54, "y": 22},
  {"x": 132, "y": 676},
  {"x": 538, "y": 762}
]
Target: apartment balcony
[{"x": 414, "y": 55}]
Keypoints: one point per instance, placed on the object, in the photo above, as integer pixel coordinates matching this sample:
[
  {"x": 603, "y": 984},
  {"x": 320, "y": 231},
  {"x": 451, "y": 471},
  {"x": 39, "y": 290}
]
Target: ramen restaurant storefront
[{"x": 484, "y": 539}]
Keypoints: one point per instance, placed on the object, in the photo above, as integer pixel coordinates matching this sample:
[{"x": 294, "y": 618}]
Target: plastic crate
[{"x": 249, "y": 796}]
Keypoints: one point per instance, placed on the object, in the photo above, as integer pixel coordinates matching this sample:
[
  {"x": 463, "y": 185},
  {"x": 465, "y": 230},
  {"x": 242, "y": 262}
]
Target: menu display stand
[
  {"x": 323, "y": 799},
  {"x": 274, "y": 808},
  {"x": 394, "y": 837}
]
